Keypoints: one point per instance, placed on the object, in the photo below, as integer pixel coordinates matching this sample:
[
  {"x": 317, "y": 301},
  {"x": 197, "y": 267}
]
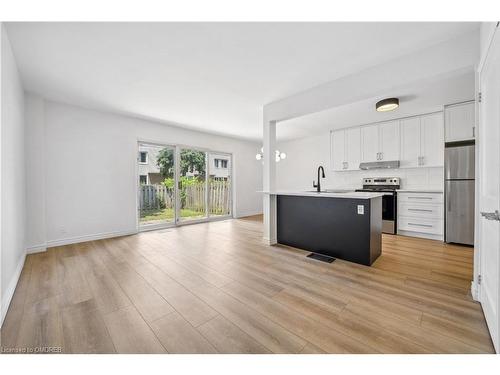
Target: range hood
[{"x": 379, "y": 165}]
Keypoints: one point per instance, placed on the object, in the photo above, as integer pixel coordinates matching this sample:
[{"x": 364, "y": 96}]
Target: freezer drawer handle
[{"x": 491, "y": 215}]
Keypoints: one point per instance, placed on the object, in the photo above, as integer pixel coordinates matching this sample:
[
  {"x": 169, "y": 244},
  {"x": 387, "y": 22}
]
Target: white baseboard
[
  {"x": 90, "y": 237},
  {"x": 36, "y": 249},
  {"x": 428, "y": 236},
  {"x": 9, "y": 292},
  {"x": 270, "y": 241},
  {"x": 474, "y": 291},
  {"x": 241, "y": 214}
]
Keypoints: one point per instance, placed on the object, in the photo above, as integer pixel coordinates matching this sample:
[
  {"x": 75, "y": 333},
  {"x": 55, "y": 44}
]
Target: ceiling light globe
[{"x": 386, "y": 105}]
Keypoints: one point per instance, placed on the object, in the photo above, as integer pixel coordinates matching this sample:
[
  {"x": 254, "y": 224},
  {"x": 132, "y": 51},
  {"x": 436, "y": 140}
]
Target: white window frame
[{"x": 177, "y": 149}]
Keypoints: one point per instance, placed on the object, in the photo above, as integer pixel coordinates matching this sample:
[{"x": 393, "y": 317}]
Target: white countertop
[
  {"x": 419, "y": 191},
  {"x": 350, "y": 194}
]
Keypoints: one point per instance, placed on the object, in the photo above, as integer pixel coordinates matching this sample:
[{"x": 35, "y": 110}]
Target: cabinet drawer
[
  {"x": 414, "y": 224},
  {"x": 420, "y": 197},
  {"x": 431, "y": 211}
]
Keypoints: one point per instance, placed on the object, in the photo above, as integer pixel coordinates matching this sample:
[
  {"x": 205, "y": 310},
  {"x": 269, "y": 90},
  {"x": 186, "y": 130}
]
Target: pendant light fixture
[
  {"x": 278, "y": 155},
  {"x": 385, "y": 105}
]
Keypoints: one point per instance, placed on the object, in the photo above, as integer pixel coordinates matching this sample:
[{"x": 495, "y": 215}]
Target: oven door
[{"x": 389, "y": 213}]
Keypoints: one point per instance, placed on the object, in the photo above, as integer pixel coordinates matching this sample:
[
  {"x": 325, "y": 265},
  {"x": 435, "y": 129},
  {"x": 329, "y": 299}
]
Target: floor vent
[{"x": 323, "y": 258}]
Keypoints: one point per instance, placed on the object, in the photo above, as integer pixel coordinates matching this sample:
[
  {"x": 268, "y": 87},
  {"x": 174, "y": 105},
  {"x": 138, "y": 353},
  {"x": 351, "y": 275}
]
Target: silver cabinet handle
[
  {"x": 381, "y": 156},
  {"x": 419, "y": 197},
  {"x": 491, "y": 215},
  {"x": 419, "y": 161},
  {"x": 419, "y": 209},
  {"x": 423, "y": 160},
  {"x": 473, "y": 132},
  {"x": 421, "y": 225}
]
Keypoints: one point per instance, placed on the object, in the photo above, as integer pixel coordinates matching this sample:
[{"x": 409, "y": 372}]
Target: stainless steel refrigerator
[{"x": 459, "y": 192}]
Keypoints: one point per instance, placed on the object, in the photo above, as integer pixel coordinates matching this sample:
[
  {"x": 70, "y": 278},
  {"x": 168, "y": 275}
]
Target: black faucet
[{"x": 318, "y": 185}]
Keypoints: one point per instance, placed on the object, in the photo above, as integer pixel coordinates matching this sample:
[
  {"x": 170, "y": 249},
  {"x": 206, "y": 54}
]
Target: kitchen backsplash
[
  {"x": 413, "y": 178},
  {"x": 304, "y": 155}
]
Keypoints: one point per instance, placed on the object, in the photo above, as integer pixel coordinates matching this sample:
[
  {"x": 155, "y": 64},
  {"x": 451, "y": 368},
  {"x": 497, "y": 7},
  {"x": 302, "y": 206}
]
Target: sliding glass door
[
  {"x": 219, "y": 184},
  {"x": 178, "y": 185},
  {"x": 192, "y": 185},
  {"x": 156, "y": 184}
]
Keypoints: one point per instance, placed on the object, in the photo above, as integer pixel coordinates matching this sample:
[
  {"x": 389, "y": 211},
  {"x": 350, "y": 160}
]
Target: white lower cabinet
[{"x": 421, "y": 215}]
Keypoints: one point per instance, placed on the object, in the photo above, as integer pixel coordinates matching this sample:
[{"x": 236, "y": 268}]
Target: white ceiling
[{"x": 214, "y": 77}]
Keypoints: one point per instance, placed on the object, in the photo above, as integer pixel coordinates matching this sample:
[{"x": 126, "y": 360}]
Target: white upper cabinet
[
  {"x": 410, "y": 142},
  {"x": 432, "y": 140},
  {"x": 338, "y": 150},
  {"x": 415, "y": 141},
  {"x": 353, "y": 148},
  {"x": 460, "y": 122},
  {"x": 380, "y": 142},
  {"x": 369, "y": 143},
  {"x": 345, "y": 152},
  {"x": 389, "y": 140},
  {"x": 422, "y": 143}
]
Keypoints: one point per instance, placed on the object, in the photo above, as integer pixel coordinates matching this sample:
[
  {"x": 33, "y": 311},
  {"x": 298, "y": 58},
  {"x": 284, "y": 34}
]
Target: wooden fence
[
  {"x": 156, "y": 197},
  {"x": 219, "y": 197}
]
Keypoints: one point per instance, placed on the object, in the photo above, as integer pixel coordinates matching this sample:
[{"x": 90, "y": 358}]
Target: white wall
[
  {"x": 13, "y": 174},
  {"x": 36, "y": 236},
  {"x": 299, "y": 169},
  {"x": 90, "y": 170}
]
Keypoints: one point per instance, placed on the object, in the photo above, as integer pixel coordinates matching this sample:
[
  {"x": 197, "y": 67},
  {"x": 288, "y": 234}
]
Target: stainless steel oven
[{"x": 388, "y": 187}]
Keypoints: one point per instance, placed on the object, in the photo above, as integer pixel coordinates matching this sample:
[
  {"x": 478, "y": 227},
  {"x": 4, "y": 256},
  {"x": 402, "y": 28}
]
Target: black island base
[{"x": 343, "y": 228}]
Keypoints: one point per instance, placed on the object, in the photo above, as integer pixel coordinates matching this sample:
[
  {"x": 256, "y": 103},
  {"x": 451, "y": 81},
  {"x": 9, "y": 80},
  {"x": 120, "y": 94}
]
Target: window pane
[
  {"x": 192, "y": 184},
  {"x": 156, "y": 184},
  {"x": 219, "y": 183}
]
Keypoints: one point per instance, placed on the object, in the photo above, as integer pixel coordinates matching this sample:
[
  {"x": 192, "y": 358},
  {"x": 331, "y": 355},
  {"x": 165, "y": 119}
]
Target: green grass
[{"x": 167, "y": 214}]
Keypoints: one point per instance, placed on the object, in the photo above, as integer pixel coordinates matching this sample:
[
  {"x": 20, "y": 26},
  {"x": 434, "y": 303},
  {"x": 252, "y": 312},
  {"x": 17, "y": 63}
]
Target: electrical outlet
[{"x": 361, "y": 209}]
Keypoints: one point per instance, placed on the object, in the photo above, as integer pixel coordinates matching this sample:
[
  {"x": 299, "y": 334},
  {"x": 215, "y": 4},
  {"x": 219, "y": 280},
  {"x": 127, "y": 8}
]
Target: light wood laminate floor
[{"x": 217, "y": 288}]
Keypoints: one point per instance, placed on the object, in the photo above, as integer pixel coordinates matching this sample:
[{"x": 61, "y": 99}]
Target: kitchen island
[{"x": 346, "y": 225}]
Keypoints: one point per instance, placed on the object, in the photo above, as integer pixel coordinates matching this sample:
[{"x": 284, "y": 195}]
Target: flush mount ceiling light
[
  {"x": 278, "y": 155},
  {"x": 385, "y": 105}
]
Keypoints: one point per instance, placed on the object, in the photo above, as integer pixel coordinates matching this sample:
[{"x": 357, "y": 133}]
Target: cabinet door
[
  {"x": 460, "y": 121},
  {"x": 410, "y": 142},
  {"x": 353, "y": 148},
  {"x": 369, "y": 143},
  {"x": 389, "y": 140},
  {"x": 337, "y": 145},
  {"x": 432, "y": 140}
]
